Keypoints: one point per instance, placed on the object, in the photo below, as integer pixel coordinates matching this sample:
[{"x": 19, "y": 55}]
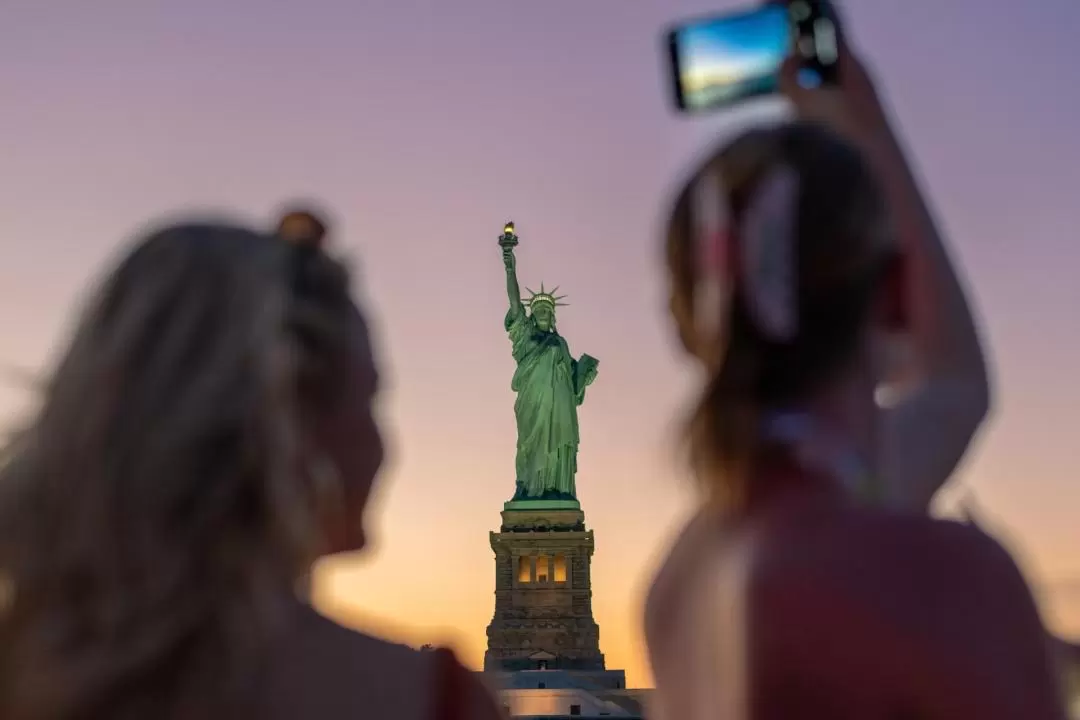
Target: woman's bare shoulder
[
  {"x": 678, "y": 561},
  {"x": 358, "y": 645},
  {"x": 323, "y": 669}
]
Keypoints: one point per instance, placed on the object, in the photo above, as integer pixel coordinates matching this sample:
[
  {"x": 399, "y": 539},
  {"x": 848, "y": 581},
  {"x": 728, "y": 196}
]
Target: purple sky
[{"x": 424, "y": 126}]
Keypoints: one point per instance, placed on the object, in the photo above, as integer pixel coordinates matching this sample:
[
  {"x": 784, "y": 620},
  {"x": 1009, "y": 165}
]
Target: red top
[
  {"x": 850, "y": 613},
  {"x": 859, "y": 613}
]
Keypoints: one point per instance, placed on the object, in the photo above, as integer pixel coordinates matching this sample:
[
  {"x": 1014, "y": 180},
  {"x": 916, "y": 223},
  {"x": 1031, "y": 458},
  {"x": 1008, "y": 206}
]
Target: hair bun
[{"x": 303, "y": 228}]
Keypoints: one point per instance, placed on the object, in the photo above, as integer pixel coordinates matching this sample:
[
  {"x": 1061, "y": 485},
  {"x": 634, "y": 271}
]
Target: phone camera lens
[{"x": 808, "y": 78}]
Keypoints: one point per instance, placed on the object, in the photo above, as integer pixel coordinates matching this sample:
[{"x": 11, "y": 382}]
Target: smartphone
[{"x": 718, "y": 61}]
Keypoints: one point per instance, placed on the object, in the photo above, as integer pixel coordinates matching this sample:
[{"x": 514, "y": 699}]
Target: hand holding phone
[
  {"x": 849, "y": 106},
  {"x": 722, "y": 60}
]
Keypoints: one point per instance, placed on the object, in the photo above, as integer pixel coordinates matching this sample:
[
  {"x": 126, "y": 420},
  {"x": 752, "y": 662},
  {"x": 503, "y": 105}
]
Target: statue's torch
[{"x": 508, "y": 240}]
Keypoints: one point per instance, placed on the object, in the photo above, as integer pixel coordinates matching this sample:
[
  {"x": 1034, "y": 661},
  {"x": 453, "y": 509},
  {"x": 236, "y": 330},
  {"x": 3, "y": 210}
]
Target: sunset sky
[{"x": 424, "y": 126}]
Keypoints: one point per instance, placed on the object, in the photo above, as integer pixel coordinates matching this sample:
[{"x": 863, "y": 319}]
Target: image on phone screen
[{"x": 720, "y": 61}]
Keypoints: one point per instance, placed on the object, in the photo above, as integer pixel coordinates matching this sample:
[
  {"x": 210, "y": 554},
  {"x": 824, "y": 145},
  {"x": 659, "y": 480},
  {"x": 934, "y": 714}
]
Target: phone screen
[{"x": 722, "y": 60}]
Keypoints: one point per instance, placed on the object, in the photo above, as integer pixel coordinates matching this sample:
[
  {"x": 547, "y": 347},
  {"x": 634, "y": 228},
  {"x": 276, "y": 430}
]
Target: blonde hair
[
  {"x": 152, "y": 513},
  {"x": 841, "y": 250}
]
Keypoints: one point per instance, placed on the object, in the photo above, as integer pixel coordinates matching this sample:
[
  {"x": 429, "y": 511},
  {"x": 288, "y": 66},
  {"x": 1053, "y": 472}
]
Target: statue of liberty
[{"x": 550, "y": 384}]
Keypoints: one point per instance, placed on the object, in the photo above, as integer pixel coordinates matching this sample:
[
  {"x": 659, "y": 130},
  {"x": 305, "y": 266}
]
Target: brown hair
[
  {"x": 152, "y": 512},
  {"x": 841, "y": 248}
]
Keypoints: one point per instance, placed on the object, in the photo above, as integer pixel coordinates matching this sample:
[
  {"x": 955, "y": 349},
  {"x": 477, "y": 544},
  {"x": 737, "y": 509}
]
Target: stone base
[
  {"x": 543, "y": 592},
  {"x": 532, "y": 518}
]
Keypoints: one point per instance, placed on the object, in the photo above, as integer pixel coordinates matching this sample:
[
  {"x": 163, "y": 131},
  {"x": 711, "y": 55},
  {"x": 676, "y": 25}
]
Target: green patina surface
[
  {"x": 541, "y": 505},
  {"x": 550, "y": 386}
]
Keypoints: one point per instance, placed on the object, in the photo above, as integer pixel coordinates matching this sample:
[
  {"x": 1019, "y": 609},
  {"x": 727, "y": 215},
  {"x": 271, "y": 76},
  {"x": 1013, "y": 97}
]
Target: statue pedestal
[
  {"x": 542, "y": 516},
  {"x": 543, "y": 592}
]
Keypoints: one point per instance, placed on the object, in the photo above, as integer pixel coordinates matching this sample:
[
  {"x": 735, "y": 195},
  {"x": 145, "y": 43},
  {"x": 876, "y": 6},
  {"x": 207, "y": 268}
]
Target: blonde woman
[
  {"x": 811, "y": 584},
  {"x": 206, "y": 436}
]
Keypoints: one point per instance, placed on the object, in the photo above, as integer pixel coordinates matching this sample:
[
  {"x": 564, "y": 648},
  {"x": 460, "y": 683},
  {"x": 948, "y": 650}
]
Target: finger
[
  {"x": 853, "y": 73},
  {"x": 840, "y": 26}
]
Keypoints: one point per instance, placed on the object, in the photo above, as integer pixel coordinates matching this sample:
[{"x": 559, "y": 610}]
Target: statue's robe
[{"x": 550, "y": 384}]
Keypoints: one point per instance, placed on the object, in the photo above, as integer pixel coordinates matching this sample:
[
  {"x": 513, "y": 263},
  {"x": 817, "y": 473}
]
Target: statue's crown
[{"x": 545, "y": 297}]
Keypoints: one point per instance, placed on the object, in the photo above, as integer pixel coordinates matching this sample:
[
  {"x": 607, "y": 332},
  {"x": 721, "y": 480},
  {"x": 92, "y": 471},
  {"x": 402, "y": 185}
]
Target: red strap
[{"x": 450, "y": 686}]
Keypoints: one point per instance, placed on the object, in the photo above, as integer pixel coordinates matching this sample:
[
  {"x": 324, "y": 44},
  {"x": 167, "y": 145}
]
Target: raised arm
[
  {"x": 513, "y": 290},
  {"x": 927, "y": 433},
  {"x": 947, "y": 397}
]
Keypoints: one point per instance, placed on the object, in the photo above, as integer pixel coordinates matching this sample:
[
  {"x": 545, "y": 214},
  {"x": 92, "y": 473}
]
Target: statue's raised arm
[{"x": 508, "y": 241}]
